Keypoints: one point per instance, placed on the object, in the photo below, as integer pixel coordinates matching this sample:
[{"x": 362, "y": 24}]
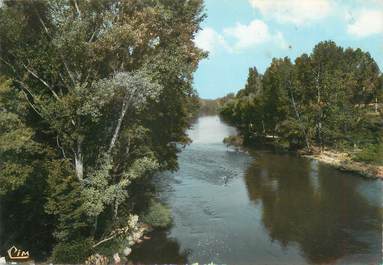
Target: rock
[
  {"x": 117, "y": 259},
  {"x": 97, "y": 259},
  {"x": 127, "y": 251}
]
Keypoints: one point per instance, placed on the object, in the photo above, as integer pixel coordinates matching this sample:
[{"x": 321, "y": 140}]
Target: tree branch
[
  {"x": 61, "y": 56},
  {"x": 31, "y": 104},
  {"x": 24, "y": 86},
  {"x": 118, "y": 127},
  {"x": 77, "y": 9},
  {"x": 59, "y": 146},
  {"x": 91, "y": 37},
  {"x": 42, "y": 81},
  {"x": 113, "y": 234},
  {"x": 67, "y": 69},
  {"x": 42, "y": 23},
  {"x": 104, "y": 240},
  {"x": 9, "y": 65}
]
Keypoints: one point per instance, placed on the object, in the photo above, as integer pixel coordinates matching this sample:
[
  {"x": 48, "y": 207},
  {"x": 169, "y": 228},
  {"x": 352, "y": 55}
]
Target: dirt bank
[
  {"x": 340, "y": 160},
  {"x": 343, "y": 162}
]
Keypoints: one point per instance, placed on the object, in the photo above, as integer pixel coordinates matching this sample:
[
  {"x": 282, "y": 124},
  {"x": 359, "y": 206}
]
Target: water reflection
[
  {"x": 233, "y": 208},
  {"x": 315, "y": 206},
  {"x": 159, "y": 250}
]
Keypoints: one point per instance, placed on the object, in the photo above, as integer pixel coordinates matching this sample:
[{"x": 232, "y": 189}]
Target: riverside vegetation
[
  {"x": 327, "y": 105},
  {"x": 94, "y": 96}
]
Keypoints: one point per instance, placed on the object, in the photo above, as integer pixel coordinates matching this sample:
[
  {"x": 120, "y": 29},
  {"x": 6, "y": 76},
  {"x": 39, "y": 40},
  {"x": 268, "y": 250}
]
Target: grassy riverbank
[
  {"x": 341, "y": 160},
  {"x": 344, "y": 161}
]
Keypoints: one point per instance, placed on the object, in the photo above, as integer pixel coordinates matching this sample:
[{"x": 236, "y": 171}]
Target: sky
[{"x": 239, "y": 34}]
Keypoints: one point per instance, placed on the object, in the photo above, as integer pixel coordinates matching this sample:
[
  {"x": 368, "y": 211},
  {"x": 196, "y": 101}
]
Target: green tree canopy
[{"x": 95, "y": 95}]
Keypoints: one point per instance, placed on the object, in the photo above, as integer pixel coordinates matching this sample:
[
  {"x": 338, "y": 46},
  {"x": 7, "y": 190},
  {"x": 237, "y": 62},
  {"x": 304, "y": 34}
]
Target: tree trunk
[
  {"x": 263, "y": 126},
  {"x": 118, "y": 127},
  {"x": 319, "y": 116},
  {"x": 115, "y": 209},
  {"x": 79, "y": 165},
  {"x": 376, "y": 104}
]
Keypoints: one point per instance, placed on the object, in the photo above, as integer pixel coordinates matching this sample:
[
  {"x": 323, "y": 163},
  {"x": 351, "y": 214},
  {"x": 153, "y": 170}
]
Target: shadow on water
[
  {"x": 265, "y": 208},
  {"x": 159, "y": 250},
  {"x": 233, "y": 208},
  {"x": 317, "y": 207}
]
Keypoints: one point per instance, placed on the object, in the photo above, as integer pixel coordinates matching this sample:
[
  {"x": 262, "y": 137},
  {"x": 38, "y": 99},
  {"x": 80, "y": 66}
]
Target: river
[{"x": 230, "y": 207}]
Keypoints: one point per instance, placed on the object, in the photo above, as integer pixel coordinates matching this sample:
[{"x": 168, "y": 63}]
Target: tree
[
  {"x": 94, "y": 83},
  {"x": 17, "y": 146},
  {"x": 253, "y": 83},
  {"x": 275, "y": 94},
  {"x": 328, "y": 98}
]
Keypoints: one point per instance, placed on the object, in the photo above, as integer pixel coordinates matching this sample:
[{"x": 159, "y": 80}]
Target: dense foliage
[
  {"x": 94, "y": 97},
  {"x": 212, "y": 106},
  {"x": 329, "y": 98}
]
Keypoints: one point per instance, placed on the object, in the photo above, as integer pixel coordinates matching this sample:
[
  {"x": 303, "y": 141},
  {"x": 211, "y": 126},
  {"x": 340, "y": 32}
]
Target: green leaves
[
  {"x": 99, "y": 93},
  {"x": 136, "y": 89},
  {"x": 157, "y": 215},
  {"x": 65, "y": 201},
  {"x": 17, "y": 145},
  {"x": 13, "y": 175},
  {"x": 320, "y": 100}
]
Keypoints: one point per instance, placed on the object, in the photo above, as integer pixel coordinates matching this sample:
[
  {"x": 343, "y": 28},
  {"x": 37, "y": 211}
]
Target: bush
[
  {"x": 74, "y": 252},
  {"x": 157, "y": 215},
  {"x": 370, "y": 154},
  {"x": 234, "y": 140}
]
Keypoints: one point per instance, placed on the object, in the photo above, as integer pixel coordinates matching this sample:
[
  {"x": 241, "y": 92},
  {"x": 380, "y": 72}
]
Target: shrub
[
  {"x": 370, "y": 154},
  {"x": 157, "y": 215},
  {"x": 234, "y": 140},
  {"x": 74, "y": 252}
]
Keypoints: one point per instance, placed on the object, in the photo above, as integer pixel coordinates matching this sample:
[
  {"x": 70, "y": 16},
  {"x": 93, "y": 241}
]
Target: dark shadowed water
[{"x": 264, "y": 208}]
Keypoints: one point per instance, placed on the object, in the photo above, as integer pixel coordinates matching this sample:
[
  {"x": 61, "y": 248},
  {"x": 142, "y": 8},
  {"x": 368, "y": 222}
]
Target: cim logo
[{"x": 17, "y": 254}]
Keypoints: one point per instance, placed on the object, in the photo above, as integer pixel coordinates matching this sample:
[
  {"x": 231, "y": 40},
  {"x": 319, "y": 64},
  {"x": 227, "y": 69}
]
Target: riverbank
[
  {"x": 340, "y": 160},
  {"x": 229, "y": 207},
  {"x": 344, "y": 162}
]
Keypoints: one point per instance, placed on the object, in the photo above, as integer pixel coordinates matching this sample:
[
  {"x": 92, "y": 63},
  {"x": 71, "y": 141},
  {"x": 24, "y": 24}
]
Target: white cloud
[
  {"x": 293, "y": 11},
  {"x": 238, "y": 37},
  {"x": 255, "y": 33},
  {"x": 248, "y": 35},
  {"x": 209, "y": 40},
  {"x": 366, "y": 23}
]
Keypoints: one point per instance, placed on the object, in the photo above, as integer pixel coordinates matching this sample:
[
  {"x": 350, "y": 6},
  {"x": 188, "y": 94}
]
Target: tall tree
[
  {"x": 328, "y": 98},
  {"x": 275, "y": 94},
  {"x": 95, "y": 82}
]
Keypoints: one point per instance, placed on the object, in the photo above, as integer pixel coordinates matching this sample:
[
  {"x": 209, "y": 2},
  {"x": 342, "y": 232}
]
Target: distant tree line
[
  {"x": 94, "y": 97},
  {"x": 213, "y": 106},
  {"x": 331, "y": 98}
]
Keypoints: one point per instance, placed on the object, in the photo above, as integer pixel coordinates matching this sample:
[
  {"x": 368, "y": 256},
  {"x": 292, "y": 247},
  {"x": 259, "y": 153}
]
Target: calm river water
[{"x": 265, "y": 208}]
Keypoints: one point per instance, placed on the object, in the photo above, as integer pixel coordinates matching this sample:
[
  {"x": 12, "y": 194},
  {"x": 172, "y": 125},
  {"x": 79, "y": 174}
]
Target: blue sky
[{"x": 243, "y": 33}]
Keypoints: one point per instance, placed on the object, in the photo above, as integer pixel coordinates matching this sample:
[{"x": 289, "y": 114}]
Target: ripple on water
[{"x": 229, "y": 207}]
